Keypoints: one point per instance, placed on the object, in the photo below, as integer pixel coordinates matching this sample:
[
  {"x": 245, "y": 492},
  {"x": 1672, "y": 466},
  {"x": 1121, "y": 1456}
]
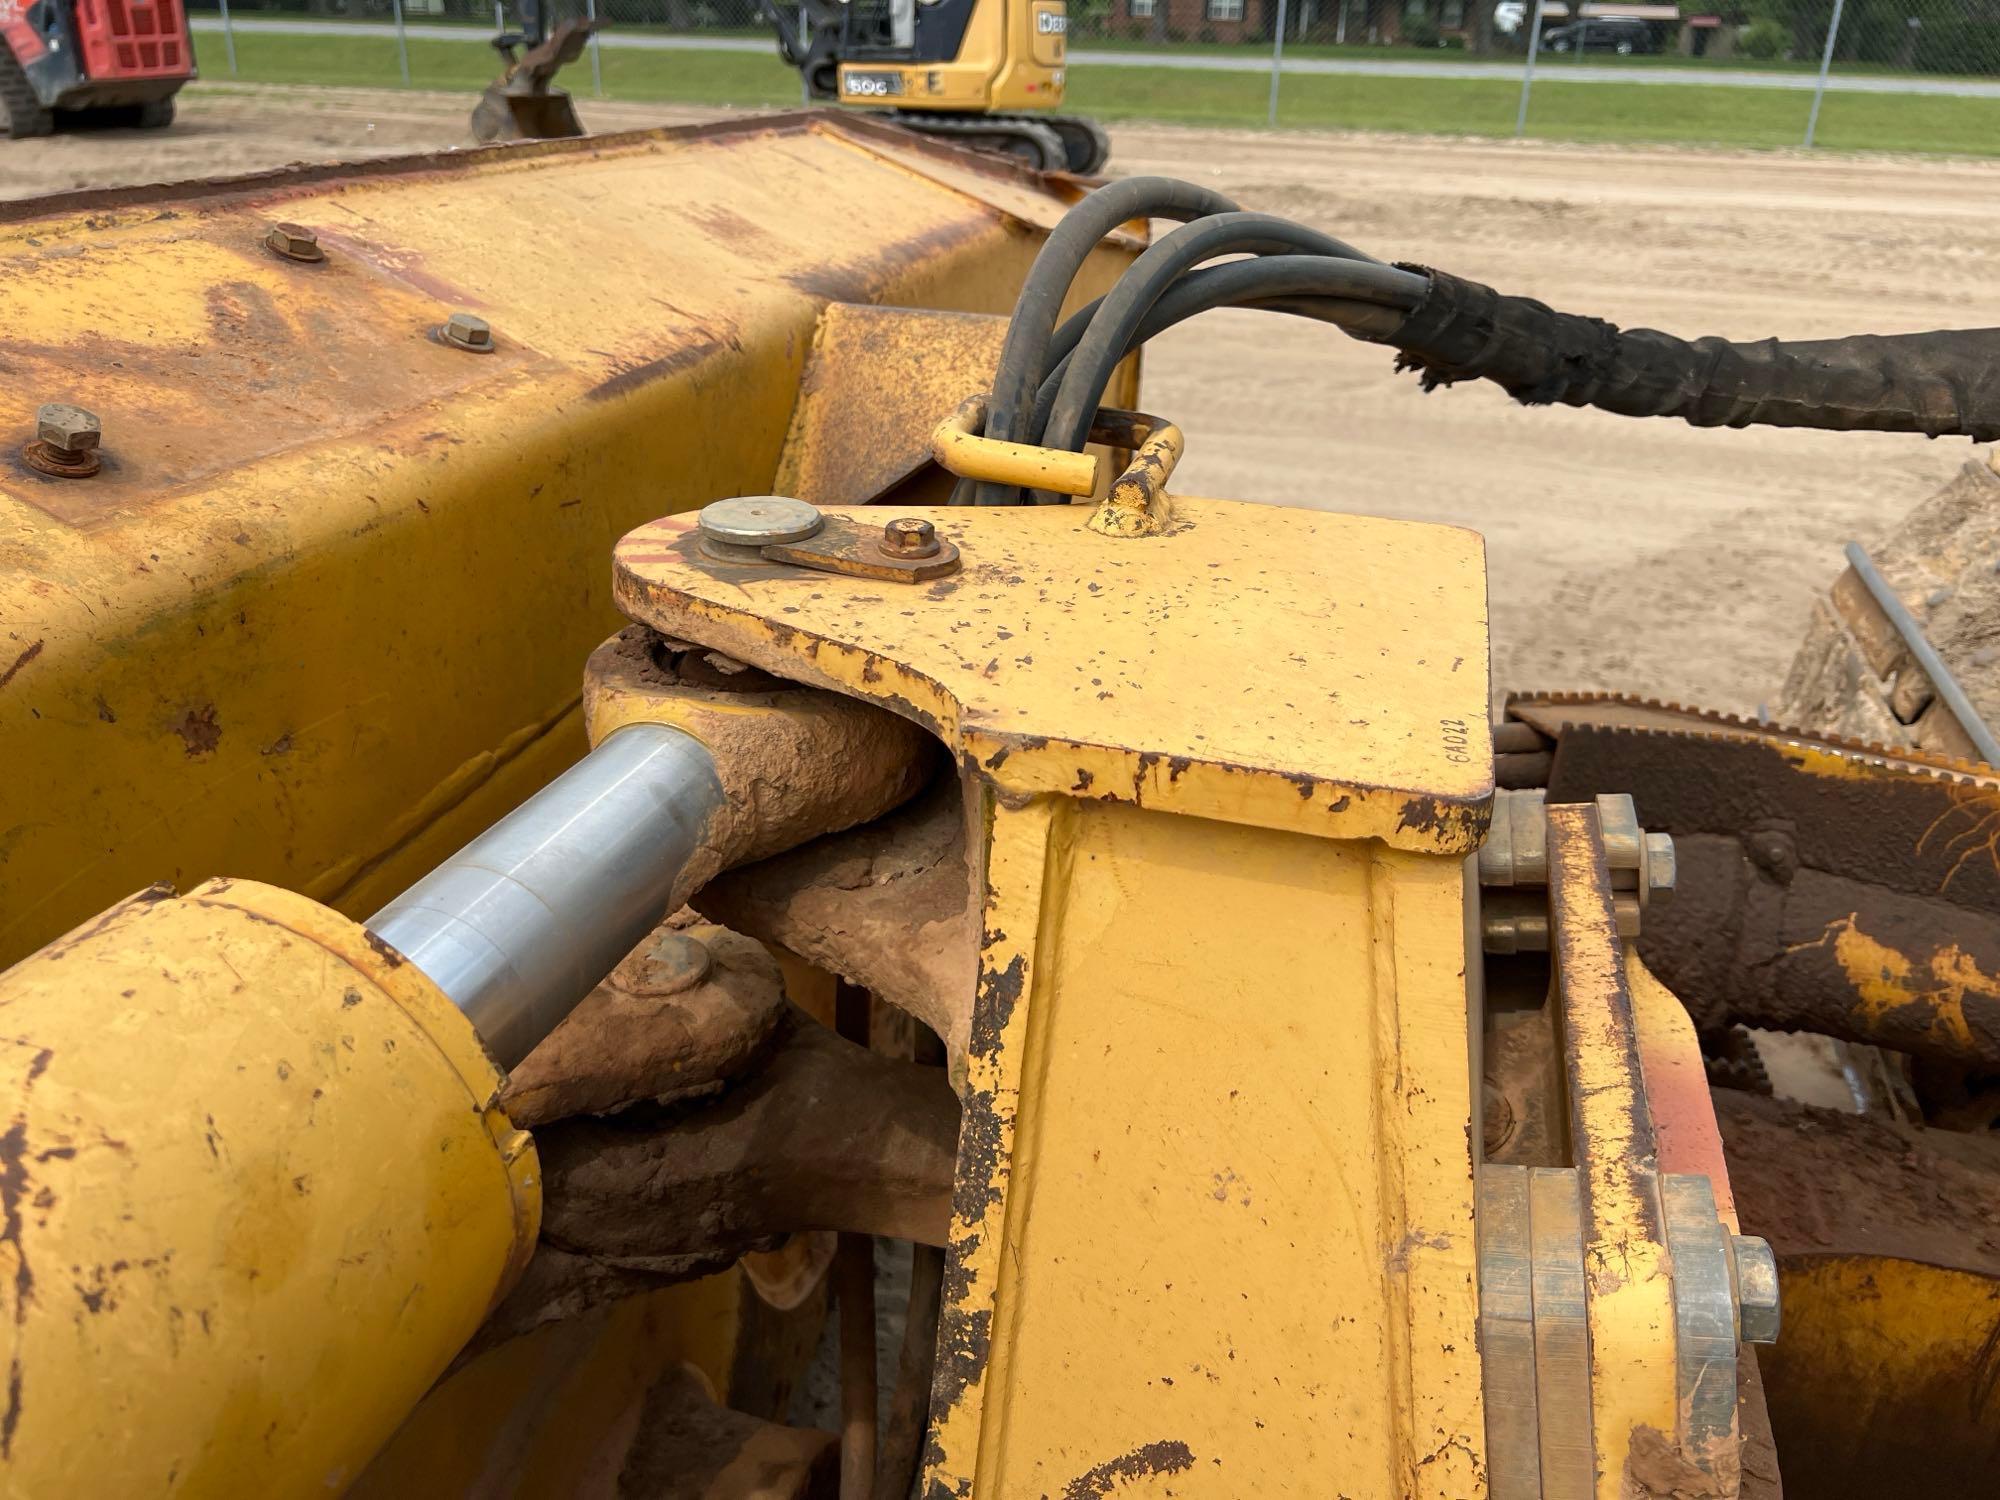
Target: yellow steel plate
[
  {"x": 324, "y": 613},
  {"x": 1139, "y": 669}
]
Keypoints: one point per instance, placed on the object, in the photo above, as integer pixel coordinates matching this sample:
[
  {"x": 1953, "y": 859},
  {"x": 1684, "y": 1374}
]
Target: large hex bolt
[
  {"x": 1757, "y": 1312},
  {"x": 464, "y": 331},
  {"x": 66, "y": 439},
  {"x": 294, "y": 242}
]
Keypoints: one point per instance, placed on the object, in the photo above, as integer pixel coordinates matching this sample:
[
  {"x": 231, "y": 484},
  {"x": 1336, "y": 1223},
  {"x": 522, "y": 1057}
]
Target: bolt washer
[
  {"x": 737, "y": 529},
  {"x": 444, "y": 335},
  {"x": 74, "y": 463},
  {"x": 291, "y": 242}
]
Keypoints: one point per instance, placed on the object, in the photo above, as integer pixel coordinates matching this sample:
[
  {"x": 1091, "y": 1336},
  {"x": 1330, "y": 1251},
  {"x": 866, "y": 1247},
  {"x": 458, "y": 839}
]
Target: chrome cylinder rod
[{"x": 520, "y": 924}]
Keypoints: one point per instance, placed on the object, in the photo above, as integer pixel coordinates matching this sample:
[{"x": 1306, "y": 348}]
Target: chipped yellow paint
[
  {"x": 1018, "y": 861},
  {"x": 1260, "y": 1231},
  {"x": 1627, "y": 1269},
  {"x": 260, "y": 1191},
  {"x": 320, "y": 618},
  {"x": 1885, "y": 980},
  {"x": 1220, "y": 1060},
  {"x": 1290, "y": 669}
]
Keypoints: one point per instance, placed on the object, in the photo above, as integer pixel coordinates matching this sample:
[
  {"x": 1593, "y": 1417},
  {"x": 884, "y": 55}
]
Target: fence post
[
  {"x": 228, "y": 36},
  {"x": 1528, "y": 72},
  {"x": 1277, "y": 60},
  {"x": 1825, "y": 64},
  {"x": 596, "y": 53},
  {"x": 402, "y": 44}
]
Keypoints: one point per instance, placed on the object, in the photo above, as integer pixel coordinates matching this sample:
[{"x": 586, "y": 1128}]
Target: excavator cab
[{"x": 984, "y": 73}]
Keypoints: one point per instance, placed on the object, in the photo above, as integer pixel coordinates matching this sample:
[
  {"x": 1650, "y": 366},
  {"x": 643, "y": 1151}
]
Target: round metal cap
[{"x": 759, "y": 520}]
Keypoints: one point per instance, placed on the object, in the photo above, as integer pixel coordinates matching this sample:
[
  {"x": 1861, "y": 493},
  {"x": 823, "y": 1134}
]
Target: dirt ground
[{"x": 1644, "y": 555}]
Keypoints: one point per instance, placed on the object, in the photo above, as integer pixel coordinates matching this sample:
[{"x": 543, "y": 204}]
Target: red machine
[{"x": 75, "y": 56}]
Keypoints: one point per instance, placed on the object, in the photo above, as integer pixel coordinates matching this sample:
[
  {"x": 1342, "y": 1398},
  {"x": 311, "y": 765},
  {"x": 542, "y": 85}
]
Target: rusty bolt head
[
  {"x": 69, "y": 428},
  {"x": 294, "y": 242},
  {"x": 910, "y": 538},
  {"x": 1757, "y": 1309},
  {"x": 464, "y": 331},
  {"x": 674, "y": 963}
]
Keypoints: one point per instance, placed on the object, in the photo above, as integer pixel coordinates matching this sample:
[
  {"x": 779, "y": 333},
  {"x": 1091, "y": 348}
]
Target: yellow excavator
[
  {"x": 988, "y": 74},
  {"x": 549, "y": 829}
]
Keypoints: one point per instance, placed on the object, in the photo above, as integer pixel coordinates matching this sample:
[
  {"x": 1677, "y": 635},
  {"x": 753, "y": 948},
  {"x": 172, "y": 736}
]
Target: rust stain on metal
[
  {"x": 29, "y": 654},
  {"x": 1599, "y": 1037},
  {"x": 1656, "y": 1468},
  {"x": 1147, "y": 1461},
  {"x": 877, "y": 382},
  {"x": 200, "y": 730},
  {"x": 861, "y": 278},
  {"x": 637, "y": 377},
  {"x": 14, "y": 1184},
  {"x": 278, "y": 183}
]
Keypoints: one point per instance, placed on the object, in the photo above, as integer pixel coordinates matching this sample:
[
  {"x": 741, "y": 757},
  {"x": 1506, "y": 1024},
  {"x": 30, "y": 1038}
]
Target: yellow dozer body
[{"x": 541, "y": 829}]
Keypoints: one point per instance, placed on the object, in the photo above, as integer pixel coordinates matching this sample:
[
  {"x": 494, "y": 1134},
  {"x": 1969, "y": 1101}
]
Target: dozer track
[{"x": 1551, "y": 712}]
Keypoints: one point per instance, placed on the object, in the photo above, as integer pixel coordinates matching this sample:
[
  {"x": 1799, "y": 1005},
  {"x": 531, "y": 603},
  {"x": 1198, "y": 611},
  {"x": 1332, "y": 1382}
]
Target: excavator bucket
[
  {"x": 523, "y": 104},
  {"x": 504, "y": 116}
]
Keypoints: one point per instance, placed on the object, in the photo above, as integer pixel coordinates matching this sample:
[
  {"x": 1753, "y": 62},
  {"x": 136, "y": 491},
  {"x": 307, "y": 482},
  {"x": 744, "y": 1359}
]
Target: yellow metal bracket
[{"x": 1137, "y": 504}]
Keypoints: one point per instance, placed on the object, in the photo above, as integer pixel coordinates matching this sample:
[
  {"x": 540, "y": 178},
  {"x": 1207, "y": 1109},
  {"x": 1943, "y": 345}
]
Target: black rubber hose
[
  {"x": 1125, "y": 307},
  {"x": 1371, "y": 299},
  {"x": 1023, "y": 356},
  {"x": 1941, "y": 384}
]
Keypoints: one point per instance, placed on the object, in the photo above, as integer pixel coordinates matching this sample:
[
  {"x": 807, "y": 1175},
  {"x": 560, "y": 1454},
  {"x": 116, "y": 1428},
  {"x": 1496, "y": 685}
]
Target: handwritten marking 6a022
[{"x": 1456, "y": 738}]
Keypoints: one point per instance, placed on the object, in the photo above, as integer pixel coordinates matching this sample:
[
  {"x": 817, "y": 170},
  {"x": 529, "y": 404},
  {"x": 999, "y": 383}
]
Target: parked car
[{"x": 1624, "y": 35}]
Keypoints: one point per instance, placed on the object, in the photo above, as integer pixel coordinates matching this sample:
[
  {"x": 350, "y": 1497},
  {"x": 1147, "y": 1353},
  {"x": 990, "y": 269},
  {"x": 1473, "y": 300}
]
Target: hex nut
[
  {"x": 910, "y": 538},
  {"x": 464, "y": 331},
  {"x": 68, "y": 428},
  {"x": 1661, "y": 864},
  {"x": 1757, "y": 1309},
  {"x": 294, "y": 242}
]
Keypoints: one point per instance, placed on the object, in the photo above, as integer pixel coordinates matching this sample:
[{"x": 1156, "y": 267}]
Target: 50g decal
[{"x": 872, "y": 85}]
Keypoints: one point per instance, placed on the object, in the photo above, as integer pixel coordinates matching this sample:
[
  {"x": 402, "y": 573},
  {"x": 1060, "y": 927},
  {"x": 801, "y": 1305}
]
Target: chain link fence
[{"x": 1914, "y": 75}]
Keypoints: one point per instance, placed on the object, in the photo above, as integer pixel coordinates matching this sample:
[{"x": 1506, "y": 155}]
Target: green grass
[{"x": 1686, "y": 114}]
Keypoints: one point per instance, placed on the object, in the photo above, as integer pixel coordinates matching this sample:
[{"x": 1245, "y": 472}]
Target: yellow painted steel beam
[
  {"x": 1628, "y": 1273},
  {"x": 320, "y": 617},
  {"x": 1220, "y": 1059}
]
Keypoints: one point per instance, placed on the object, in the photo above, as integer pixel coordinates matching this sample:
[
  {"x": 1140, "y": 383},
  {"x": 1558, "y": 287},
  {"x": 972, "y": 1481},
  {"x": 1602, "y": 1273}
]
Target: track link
[
  {"x": 1032, "y": 142},
  {"x": 1549, "y": 711},
  {"x": 25, "y": 114}
]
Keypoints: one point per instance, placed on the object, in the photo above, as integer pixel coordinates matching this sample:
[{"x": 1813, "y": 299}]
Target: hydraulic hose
[
  {"x": 1125, "y": 307},
  {"x": 1367, "y": 298},
  {"x": 1023, "y": 357},
  {"x": 1940, "y": 384}
]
